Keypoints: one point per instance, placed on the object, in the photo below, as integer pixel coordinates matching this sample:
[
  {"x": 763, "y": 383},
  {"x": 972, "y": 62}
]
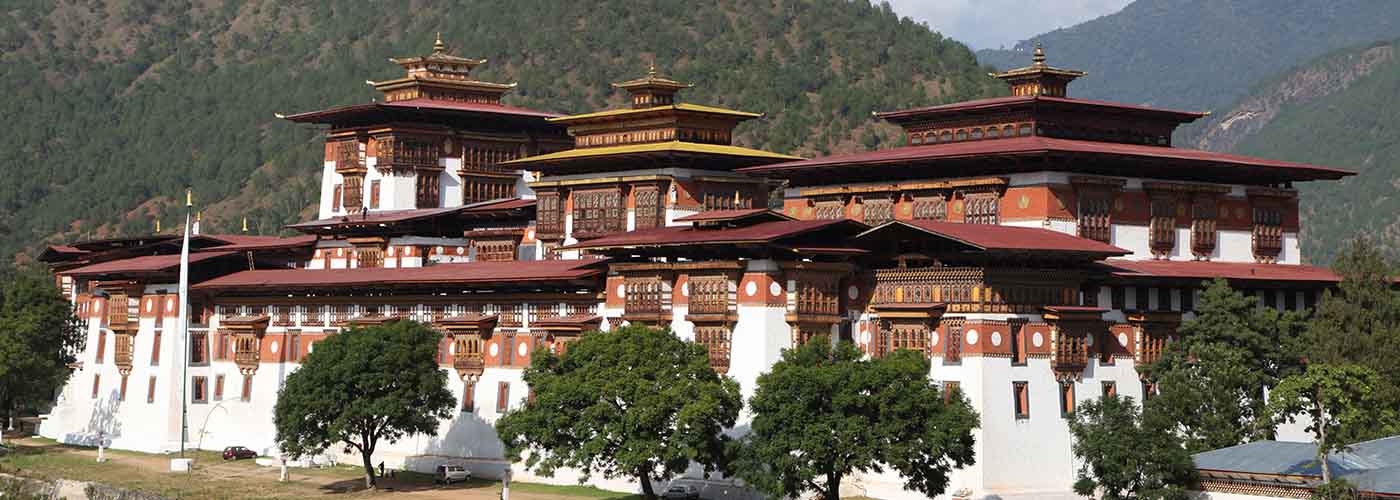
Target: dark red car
[{"x": 237, "y": 452}]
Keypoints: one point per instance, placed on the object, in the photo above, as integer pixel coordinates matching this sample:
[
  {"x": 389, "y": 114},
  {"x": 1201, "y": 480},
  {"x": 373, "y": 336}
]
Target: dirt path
[{"x": 216, "y": 478}]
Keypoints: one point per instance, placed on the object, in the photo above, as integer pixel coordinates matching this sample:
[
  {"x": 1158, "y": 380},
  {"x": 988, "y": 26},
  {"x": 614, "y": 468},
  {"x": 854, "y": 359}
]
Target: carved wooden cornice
[
  {"x": 989, "y": 182},
  {"x": 1095, "y": 181}
]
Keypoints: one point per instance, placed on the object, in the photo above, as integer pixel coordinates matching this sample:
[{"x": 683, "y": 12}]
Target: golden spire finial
[
  {"x": 157, "y": 225},
  {"x": 438, "y": 46},
  {"x": 189, "y": 197},
  {"x": 245, "y": 223},
  {"x": 199, "y": 216},
  {"x": 1039, "y": 56},
  {"x": 651, "y": 70}
]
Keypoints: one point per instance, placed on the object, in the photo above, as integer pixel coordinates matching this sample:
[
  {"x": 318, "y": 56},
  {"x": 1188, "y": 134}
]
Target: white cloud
[{"x": 989, "y": 24}]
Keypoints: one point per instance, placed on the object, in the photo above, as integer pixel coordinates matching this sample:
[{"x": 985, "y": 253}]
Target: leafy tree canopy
[
  {"x": 1213, "y": 379},
  {"x": 38, "y": 337},
  {"x": 1342, "y": 402},
  {"x": 362, "y": 387},
  {"x": 1359, "y": 322},
  {"x": 1128, "y": 454},
  {"x": 823, "y": 413},
  {"x": 637, "y": 401}
]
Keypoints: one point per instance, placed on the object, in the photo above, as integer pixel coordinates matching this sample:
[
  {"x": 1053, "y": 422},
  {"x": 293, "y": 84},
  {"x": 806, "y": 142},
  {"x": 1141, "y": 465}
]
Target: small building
[{"x": 1267, "y": 470}]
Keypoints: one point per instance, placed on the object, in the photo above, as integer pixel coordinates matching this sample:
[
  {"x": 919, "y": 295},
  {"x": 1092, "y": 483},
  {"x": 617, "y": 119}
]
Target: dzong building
[{"x": 1038, "y": 249}]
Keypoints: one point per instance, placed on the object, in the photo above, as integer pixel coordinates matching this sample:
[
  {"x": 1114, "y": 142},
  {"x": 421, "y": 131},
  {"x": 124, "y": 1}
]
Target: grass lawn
[{"x": 243, "y": 479}]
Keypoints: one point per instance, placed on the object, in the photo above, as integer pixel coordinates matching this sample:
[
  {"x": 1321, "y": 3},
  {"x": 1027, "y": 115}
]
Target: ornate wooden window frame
[
  {"x": 1205, "y": 211},
  {"x": 930, "y": 206},
  {"x": 911, "y": 326},
  {"x": 549, "y": 215},
  {"x": 649, "y": 205},
  {"x": 247, "y": 333},
  {"x": 1071, "y": 329},
  {"x": 598, "y": 212},
  {"x": 1095, "y": 200},
  {"x": 1161, "y": 227},
  {"x": 877, "y": 209},
  {"x": 829, "y": 208},
  {"x": 468, "y": 335},
  {"x": 982, "y": 207},
  {"x": 1153, "y": 332}
]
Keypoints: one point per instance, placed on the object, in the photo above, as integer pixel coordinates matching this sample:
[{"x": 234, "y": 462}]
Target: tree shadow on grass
[{"x": 407, "y": 482}]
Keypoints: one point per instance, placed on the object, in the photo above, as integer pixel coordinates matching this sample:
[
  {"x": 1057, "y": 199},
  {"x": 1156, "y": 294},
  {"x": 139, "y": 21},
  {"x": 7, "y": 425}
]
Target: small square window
[
  {"x": 199, "y": 389},
  {"x": 1109, "y": 389},
  {"x": 503, "y": 397},
  {"x": 1022, "y": 399},
  {"x": 1067, "y": 399}
]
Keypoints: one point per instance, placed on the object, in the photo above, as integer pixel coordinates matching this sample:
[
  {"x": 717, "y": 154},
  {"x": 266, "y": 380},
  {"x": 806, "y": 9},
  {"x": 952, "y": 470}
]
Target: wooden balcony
[
  {"x": 247, "y": 358},
  {"x": 469, "y": 366}
]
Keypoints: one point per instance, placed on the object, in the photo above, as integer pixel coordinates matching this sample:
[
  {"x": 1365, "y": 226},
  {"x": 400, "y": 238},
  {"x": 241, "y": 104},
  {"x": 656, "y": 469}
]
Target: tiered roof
[
  {"x": 1034, "y": 153},
  {"x": 472, "y": 274},
  {"x": 1040, "y": 128},
  {"x": 655, "y": 131},
  {"x": 436, "y": 87},
  {"x": 449, "y": 221}
]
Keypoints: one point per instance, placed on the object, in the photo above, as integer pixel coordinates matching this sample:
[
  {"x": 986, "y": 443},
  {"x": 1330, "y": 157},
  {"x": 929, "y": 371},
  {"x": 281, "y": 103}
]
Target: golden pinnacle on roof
[
  {"x": 189, "y": 197},
  {"x": 652, "y": 90},
  {"x": 1038, "y": 79},
  {"x": 245, "y": 224},
  {"x": 157, "y": 225},
  {"x": 438, "y": 46}
]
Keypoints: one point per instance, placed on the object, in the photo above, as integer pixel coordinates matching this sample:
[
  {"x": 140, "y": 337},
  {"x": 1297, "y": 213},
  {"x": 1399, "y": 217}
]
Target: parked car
[
  {"x": 237, "y": 452},
  {"x": 448, "y": 474},
  {"x": 682, "y": 492}
]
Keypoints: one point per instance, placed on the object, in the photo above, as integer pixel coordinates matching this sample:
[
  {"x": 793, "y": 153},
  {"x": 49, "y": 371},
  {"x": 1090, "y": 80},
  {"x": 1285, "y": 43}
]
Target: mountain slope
[
  {"x": 115, "y": 106},
  {"x": 1202, "y": 54},
  {"x": 1339, "y": 110}
]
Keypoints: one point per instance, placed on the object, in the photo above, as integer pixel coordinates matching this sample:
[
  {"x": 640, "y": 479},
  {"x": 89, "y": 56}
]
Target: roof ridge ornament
[{"x": 1039, "y": 79}]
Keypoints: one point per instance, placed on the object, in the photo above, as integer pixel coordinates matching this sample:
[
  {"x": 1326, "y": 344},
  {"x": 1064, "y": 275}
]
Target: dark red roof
[
  {"x": 471, "y": 273},
  {"x": 1190, "y": 269},
  {"x": 1196, "y": 163},
  {"x": 387, "y": 217},
  {"x": 763, "y": 232},
  {"x": 419, "y": 104},
  {"x": 245, "y": 242},
  {"x": 731, "y": 215},
  {"x": 145, "y": 264},
  {"x": 991, "y": 237},
  {"x": 996, "y": 103},
  {"x": 509, "y": 204}
]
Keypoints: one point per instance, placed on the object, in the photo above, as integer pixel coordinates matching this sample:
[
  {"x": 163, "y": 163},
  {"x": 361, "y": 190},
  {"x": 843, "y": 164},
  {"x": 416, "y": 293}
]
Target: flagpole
[{"x": 184, "y": 321}]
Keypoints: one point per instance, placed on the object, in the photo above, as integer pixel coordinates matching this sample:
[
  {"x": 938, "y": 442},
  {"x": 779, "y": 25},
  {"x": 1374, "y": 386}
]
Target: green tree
[
  {"x": 1342, "y": 402},
  {"x": 1213, "y": 379},
  {"x": 1128, "y": 453},
  {"x": 823, "y": 412},
  {"x": 1359, "y": 322},
  {"x": 38, "y": 338},
  {"x": 637, "y": 401},
  {"x": 362, "y": 387}
]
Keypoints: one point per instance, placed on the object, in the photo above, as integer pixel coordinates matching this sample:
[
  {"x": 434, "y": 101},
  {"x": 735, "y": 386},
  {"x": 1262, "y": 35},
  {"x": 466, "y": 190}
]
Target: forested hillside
[
  {"x": 1202, "y": 54},
  {"x": 1340, "y": 110},
  {"x": 113, "y": 107}
]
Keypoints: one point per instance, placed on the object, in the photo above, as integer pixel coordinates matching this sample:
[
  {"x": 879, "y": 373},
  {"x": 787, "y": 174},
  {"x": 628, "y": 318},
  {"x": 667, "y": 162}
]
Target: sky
[{"x": 990, "y": 24}]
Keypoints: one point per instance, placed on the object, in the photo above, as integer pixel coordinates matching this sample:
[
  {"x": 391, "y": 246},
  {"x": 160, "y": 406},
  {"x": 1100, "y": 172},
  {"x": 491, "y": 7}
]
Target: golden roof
[
  {"x": 694, "y": 108},
  {"x": 652, "y": 80},
  {"x": 653, "y": 147},
  {"x": 439, "y": 54},
  {"x": 1038, "y": 67}
]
